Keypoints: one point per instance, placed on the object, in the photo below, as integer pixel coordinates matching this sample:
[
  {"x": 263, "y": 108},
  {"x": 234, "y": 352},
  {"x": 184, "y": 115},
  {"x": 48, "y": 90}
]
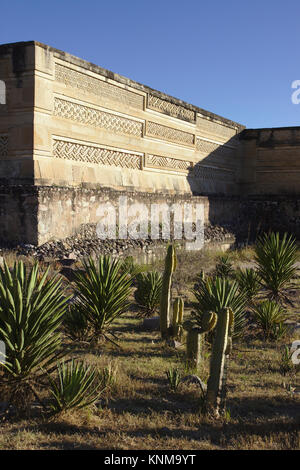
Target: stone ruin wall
[
  {"x": 73, "y": 135},
  {"x": 270, "y": 180},
  {"x": 70, "y": 129},
  {"x": 95, "y": 128},
  {"x": 270, "y": 161}
]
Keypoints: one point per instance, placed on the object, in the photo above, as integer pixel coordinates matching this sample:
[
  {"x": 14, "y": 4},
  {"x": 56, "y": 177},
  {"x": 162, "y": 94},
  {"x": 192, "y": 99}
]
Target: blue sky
[{"x": 235, "y": 58}]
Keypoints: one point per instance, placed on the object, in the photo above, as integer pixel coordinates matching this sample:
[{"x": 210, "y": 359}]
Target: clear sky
[{"x": 236, "y": 58}]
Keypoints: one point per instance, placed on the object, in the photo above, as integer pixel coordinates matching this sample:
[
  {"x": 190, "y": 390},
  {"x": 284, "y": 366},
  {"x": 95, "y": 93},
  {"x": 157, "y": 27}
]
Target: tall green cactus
[
  {"x": 227, "y": 354},
  {"x": 165, "y": 301},
  {"x": 193, "y": 347},
  {"x": 178, "y": 312},
  {"x": 194, "y": 339},
  {"x": 216, "y": 386}
]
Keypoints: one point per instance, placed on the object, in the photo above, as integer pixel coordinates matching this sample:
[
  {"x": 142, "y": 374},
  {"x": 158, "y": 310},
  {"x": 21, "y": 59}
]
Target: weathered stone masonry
[{"x": 73, "y": 135}]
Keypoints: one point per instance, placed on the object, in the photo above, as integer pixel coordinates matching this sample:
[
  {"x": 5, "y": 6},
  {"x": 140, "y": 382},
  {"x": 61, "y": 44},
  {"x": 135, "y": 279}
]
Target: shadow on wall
[
  {"x": 219, "y": 175},
  {"x": 218, "y": 172},
  {"x": 216, "y": 176}
]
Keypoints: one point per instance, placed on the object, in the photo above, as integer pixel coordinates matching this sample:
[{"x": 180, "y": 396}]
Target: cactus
[
  {"x": 227, "y": 354},
  {"x": 165, "y": 301},
  {"x": 209, "y": 321},
  {"x": 193, "y": 347},
  {"x": 195, "y": 337},
  {"x": 178, "y": 311},
  {"x": 216, "y": 386}
]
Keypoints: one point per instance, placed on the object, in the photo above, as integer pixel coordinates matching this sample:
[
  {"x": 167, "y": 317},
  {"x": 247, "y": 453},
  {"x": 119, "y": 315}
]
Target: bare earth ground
[{"x": 139, "y": 411}]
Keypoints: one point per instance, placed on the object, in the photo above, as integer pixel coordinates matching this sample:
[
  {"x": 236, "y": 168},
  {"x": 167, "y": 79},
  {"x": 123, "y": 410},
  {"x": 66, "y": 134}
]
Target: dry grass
[{"x": 139, "y": 411}]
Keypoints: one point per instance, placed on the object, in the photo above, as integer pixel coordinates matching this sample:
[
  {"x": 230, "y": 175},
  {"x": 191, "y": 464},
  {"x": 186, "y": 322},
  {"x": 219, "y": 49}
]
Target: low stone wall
[
  {"x": 36, "y": 215},
  {"x": 63, "y": 211},
  {"x": 18, "y": 215},
  {"x": 263, "y": 214}
]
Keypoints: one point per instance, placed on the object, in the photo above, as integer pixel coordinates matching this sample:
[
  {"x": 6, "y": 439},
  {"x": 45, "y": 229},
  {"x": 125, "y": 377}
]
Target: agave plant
[
  {"x": 224, "y": 267},
  {"x": 148, "y": 292},
  {"x": 269, "y": 315},
  {"x": 32, "y": 306},
  {"x": 76, "y": 386},
  {"x": 279, "y": 330},
  {"x": 76, "y": 323},
  {"x": 275, "y": 258},
  {"x": 286, "y": 365},
  {"x": 249, "y": 282},
  {"x": 174, "y": 378},
  {"x": 103, "y": 290},
  {"x": 213, "y": 295},
  {"x": 108, "y": 375},
  {"x": 129, "y": 266}
]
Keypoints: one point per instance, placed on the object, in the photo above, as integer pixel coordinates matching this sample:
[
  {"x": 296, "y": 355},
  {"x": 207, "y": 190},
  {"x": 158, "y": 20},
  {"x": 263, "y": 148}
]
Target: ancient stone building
[{"x": 73, "y": 135}]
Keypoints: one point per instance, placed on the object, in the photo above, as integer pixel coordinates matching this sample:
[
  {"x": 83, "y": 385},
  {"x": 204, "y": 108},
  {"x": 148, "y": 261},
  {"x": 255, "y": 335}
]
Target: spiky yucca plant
[
  {"x": 286, "y": 365},
  {"x": 174, "y": 378},
  {"x": 76, "y": 323},
  {"x": 103, "y": 290},
  {"x": 224, "y": 267},
  {"x": 32, "y": 306},
  {"x": 249, "y": 282},
  {"x": 76, "y": 386},
  {"x": 279, "y": 330},
  {"x": 275, "y": 258},
  {"x": 148, "y": 292},
  {"x": 129, "y": 266},
  {"x": 108, "y": 375},
  {"x": 213, "y": 295},
  {"x": 269, "y": 315}
]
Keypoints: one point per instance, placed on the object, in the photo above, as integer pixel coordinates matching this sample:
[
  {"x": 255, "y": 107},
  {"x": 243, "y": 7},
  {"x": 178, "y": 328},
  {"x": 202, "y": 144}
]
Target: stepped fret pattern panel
[
  {"x": 94, "y": 117},
  {"x": 211, "y": 147},
  {"x": 153, "y": 129},
  {"x": 158, "y": 161},
  {"x": 3, "y": 145},
  {"x": 214, "y": 128},
  {"x": 210, "y": 173},
  {"x": 171, "y": 109},
  {"x": 98, "y": 87},
  {"x": 95, "y": 154}
]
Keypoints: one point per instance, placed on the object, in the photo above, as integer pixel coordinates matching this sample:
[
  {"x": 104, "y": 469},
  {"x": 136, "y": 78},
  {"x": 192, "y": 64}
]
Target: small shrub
[
  {"x": 275, "y": 258},
  {"x": 32, "y": 305},
  {"x": 174, "y": 378},
  {"x": 108, "y": 375},
  {"x": 269, "y": 315},
  {"x": 148, "y": 292},
  {"x": 76, "y": 323},
  {"x": 103, "y": 290},
  {"x": 213, "y": 295},
  {"x": 129, "y": 266},
  {"x": 75, "y": 387},
  {"x": 249, "y": 282},
  {"x": 224, "y": 267},
  {"x": 286, "y": 366},
  {"x": 279, "y": 331}
]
